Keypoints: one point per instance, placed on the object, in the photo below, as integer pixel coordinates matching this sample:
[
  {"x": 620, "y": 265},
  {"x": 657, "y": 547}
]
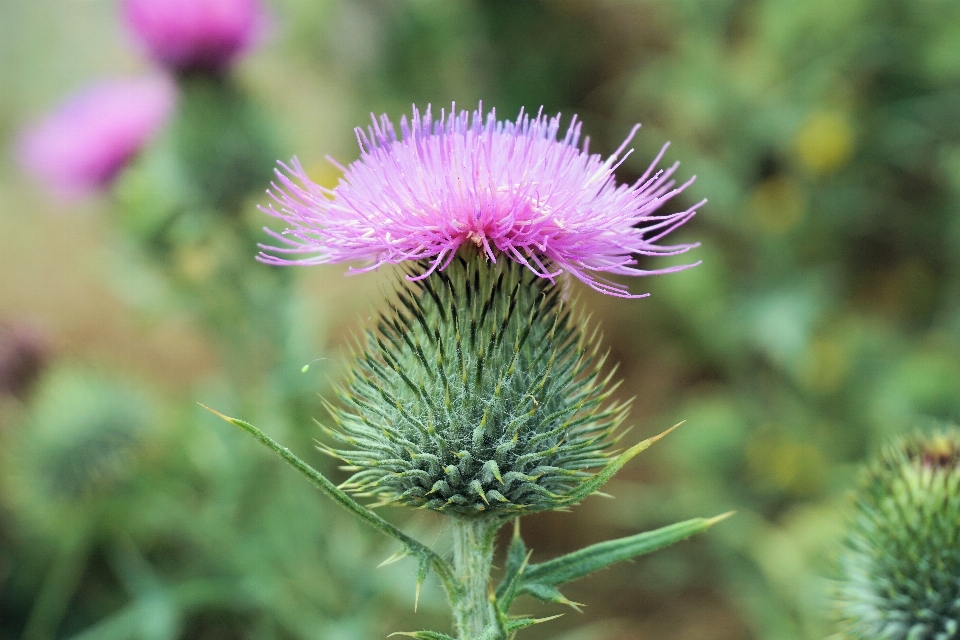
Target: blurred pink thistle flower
[
  {"x": 206, "y": 35},
  {"x": 84, "y": 144},
  {"x": 510, "y": 188}
]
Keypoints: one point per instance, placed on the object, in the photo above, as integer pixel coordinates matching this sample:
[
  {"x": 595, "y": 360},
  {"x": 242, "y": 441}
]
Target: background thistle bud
[
  {"x": 195, "y": 35},
  {"x": 476, "y": 395},
  {"x": 77, "y": 458},
  {"x": 901, "y": 568}
]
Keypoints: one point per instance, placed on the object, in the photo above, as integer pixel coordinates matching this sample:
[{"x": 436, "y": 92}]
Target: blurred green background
[{"x": 824, "y": 319}]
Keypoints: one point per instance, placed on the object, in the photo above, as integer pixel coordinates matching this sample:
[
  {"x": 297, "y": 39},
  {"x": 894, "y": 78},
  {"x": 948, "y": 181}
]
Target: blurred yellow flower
[{"x": 825, "y": 141}]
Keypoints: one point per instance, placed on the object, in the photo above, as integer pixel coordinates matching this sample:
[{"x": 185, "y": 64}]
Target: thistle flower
[
  {"x": 901, "y": 568},
  {"x": 479, "y": 394},
  {"x": 185, "y": 35},
  {"x": 82, "y": 146},
  {"x": 513, "y": 189}
]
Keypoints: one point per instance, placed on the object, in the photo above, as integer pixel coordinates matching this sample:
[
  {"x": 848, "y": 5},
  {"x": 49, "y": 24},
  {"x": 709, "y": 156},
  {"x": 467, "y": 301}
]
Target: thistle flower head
[
  {"x": 80, "y": 452},
  {"x": 517, "y": 190},
  {"x": 901, "y": 568},
  {"x": 82, "y": 146},
  {"x": 206, "y": 35},
  {"x": 477, "y": 395}
]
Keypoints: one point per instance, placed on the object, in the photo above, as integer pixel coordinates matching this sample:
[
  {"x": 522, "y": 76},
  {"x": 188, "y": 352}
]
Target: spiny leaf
[
  {"x": 517, "y": 558},
  {"x": 399, "y": 555},
  {"x": 601, "y": 555},
  {"x": 426, "y": 556},
  {"x": 596, "y": 481},
  {"x": 549, "y": 593},
  {"x": 523, "y": 623},
  {"x": 423, "y": 567}
]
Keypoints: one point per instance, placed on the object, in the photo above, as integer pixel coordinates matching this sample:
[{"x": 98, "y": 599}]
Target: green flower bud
[
  {"x": 901, "y": 567},
  {"x": 477, "y": 395},
  {"x": 78, "y": 453}
]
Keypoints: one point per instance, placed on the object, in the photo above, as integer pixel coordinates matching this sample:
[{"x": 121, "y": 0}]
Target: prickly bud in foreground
[
  {"x": 478, "y": 395},
  {"x": 901, "y": 568}
]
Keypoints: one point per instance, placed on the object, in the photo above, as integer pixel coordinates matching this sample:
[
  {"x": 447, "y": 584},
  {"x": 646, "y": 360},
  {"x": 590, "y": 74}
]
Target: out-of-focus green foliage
[
  {"x": 825, "y": 315},
  {"x": 824, "y": 318}
]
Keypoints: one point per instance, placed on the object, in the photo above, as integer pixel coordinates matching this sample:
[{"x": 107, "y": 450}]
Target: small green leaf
[
  {"x": 598, "y": 556},
  {"x": 593, "y": 483},
  {"x": 517, "y": 557},
  {"x": 422, "y": 635},
  {"x": 396, "y": 557},
  {"x": 523, "y": 623},
  {"x": 423, "y": 568},
  {"x": 548, "y": 593}
]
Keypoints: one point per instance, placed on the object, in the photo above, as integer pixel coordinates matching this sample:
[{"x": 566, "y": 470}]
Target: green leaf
[
  {"x": 423, "y": 635},
  {"x": 523, "y": 623},
  {"x": 548, "y": 593},
  {"x": 517, "y": 558},
  {"x": 593, "y": 483},
  {"x": 423, "y": 568},
  {"x": 125, "y": 624},
  {"x": 426, "y": 557},
  {"x": 537, "y": 579}
]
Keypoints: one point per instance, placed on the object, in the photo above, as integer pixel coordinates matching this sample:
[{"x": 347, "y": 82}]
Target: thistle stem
[{"x": 472, "y": 560}]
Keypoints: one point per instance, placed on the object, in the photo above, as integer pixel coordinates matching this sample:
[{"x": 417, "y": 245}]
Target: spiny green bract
[
  {"x": 902, "y": 563},
  {"x": 477, "y": 395}
]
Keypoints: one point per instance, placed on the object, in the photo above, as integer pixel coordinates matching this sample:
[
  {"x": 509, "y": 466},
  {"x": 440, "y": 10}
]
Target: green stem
[
  {"x": 58, "y": 588},
  {"x": 472, "y": 560}
]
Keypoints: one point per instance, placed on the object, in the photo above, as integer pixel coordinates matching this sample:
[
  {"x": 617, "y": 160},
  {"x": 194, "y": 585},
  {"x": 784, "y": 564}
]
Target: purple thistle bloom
[
  {"x": 203, "y": 35},
  {"x": 510, "y": 188},
  {"x": 83, "y": 145}
]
